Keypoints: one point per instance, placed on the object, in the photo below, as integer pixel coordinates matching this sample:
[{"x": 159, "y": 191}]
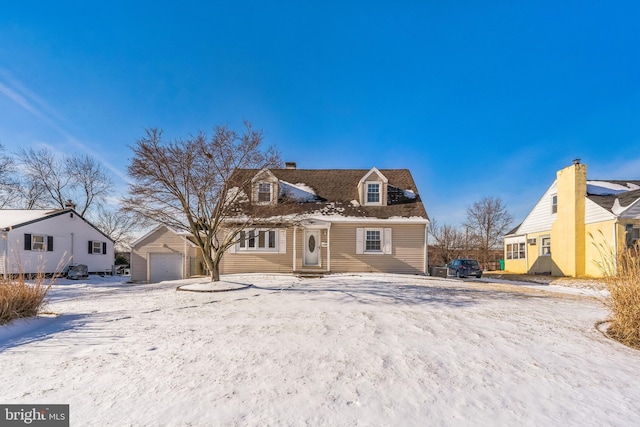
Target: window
[
  {"x": 264, "y": 192},
  {"x": 554, "y": 203},
  {"x": 38, "y": 242},
  {"x": 257, "y": 240},
  {"x": 373, "y": 242},
  {"x": 633, "y": 235},
  {"x": 97, "y": 247},
  {"x": 373, "y": 193},
  {"x": 516, "y": 250},
  {"x": 545, "y": 245}
]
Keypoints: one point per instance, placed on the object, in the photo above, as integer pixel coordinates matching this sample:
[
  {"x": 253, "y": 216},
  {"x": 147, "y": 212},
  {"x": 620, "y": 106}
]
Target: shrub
[
  {"x": 624, "y": 288},
  {"x": 19, "y": 298}
]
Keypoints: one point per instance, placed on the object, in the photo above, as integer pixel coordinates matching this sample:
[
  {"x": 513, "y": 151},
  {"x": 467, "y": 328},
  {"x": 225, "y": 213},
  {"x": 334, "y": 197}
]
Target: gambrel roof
[{"x": 335, "y": 192}]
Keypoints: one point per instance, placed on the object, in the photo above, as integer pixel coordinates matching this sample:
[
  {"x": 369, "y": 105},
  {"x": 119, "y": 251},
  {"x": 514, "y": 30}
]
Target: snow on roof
[
  {"x": 604, "y": 188},
  {"x": 299, "y": 192},
  {"x": 409, "y": 194},
  {"x": 12, "y": 217}
]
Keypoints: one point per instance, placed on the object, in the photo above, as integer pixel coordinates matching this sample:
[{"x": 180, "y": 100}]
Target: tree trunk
[{"x": 215, "y": 272}]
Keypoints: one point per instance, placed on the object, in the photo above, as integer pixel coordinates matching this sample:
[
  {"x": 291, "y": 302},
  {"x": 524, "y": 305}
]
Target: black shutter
[
  {"x": 49, "y": 243},
  {"x": 27, "y": 242},
  {"x": 90, "y": 247},
  {"x": 104, "y": 248}
]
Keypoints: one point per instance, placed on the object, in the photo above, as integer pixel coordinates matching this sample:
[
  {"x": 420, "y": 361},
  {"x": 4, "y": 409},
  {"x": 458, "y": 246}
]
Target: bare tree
[
  {"x": 118, "y": 225},
  {"x": 8, "y": 184},
  {"x": 448, "y": 241},
  {"x": 488, "y": 220},
  {"x": 51, "y": 180},
  {"x": 187, "y": 185}
]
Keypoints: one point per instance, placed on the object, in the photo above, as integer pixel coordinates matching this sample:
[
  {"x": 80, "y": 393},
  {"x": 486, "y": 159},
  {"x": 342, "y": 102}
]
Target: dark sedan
[{"x": 463, "y": 267}]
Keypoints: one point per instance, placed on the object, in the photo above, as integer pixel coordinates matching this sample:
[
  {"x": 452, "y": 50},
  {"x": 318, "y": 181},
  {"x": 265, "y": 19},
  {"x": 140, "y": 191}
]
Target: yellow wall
[
  {"x": 600, "y": 248},
  {"x": 568, "y": 230}
]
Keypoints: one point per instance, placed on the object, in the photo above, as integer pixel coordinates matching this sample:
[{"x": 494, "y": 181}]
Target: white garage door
[{"x": 165, "y": 267}]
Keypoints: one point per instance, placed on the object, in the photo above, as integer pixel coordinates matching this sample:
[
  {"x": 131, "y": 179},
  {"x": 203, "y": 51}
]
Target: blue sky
[{"x": 475, "y": 98}]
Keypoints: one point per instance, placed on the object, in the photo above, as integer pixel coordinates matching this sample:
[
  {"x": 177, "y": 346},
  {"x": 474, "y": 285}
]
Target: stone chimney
[{"x": 290, "y": 165}]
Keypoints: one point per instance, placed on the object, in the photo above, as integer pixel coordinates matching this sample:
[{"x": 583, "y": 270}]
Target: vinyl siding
[
  {"x": 263, "y": 262},
  {"x": 162, "y": 240},
  {"x": 407, "y": 250},
  {"x": 540, "y": 218},
  {"x": 70, "y": 234},
  {"x": 595, "y": 213}
]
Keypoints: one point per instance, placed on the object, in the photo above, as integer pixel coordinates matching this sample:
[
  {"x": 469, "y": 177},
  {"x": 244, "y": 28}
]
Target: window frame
[
  {"x": 368, "y": 186},
  {"x": 367, "y": 240},
  {"x": 35, "y": 243},
  {"x": 516, "y": 250},
  {"x": 554, "y": 204},
  {"x": 261, "y": 192},
  {"x": 545, "y": 245},
  {"x": 265, "y": 240}
]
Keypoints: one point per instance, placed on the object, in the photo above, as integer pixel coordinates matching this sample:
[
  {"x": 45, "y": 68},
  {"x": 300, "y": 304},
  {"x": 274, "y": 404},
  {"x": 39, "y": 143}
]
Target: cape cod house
[
  {"x": 315, "y": 221},
  {"x": 577, "y": 228},
  {"x": 46, "y": 240}
]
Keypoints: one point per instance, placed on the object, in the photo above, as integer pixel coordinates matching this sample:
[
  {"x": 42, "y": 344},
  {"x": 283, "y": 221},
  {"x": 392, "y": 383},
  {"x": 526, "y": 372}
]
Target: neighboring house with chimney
[
  {"x": 313, "y": 221},
  {"x": 46, "y": 240},
  {"x": 577, "y": 228}
]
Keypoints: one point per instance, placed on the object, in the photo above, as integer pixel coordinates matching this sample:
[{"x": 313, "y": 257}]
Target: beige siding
[
  {"x": 407, "y": 250},
  {"x": 254, "y": 262},
  {"x": 163, "y": 240}
]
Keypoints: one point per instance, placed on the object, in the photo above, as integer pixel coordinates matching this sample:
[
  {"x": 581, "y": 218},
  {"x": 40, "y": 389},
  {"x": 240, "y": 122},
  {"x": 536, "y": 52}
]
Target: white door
[
  {"x": 165, "y": 267},
  {"x": 311, "y": 248}
]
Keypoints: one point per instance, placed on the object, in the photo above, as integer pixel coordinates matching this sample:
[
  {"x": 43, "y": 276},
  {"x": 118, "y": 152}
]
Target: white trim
[
  {"x": 376, "y": 171},
  {"x": 359, "y": 241},
  {"x": 365, "y": 197},
  {"x": 380, "y": 232},
  {"x": 282, "y": 241},
  {"x": 387, "y": 246}
]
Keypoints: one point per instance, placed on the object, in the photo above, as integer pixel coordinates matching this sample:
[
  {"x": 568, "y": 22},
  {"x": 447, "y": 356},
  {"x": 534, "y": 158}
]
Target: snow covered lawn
[{"x": 342, "y": 350}]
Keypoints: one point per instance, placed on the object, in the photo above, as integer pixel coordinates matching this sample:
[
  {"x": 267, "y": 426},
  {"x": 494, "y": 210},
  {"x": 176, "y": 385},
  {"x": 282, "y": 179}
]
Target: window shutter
[
  {"x": 90, "y": 247},
  {"x": 27, "y": 242},
  {"x": 387, "y": 247},
  {"x": 49, "y": 243},
  {"x": 104, "y": 248},
  {"x": 282, "y": 241},
  {"x": 359, "y": 240}
]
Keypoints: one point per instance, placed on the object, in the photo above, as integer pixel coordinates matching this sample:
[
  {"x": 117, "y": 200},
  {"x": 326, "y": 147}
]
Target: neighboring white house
[{"x": 46, "y": 240}]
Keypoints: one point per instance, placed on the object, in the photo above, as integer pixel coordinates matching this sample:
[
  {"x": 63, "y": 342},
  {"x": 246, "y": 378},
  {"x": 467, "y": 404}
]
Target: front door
[{"x": 311, "y": 248}]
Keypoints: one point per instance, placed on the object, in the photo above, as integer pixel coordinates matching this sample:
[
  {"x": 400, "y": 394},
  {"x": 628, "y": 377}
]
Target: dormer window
[
  {"x": 264, "y": 192},
  {"x": 373, "y": 192}
]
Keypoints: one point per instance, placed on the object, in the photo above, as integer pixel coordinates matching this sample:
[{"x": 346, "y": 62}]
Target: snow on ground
[{"x": 369, "y": 349}]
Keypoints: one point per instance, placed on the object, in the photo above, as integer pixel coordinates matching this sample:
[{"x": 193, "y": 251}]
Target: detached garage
[{"x": 164, "y": 254}]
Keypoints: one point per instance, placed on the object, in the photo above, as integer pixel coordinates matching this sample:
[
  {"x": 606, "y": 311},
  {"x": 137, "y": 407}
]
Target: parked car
[
  {"x": 463, "y": 267},
  {"x": 75, "y": 271}
]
